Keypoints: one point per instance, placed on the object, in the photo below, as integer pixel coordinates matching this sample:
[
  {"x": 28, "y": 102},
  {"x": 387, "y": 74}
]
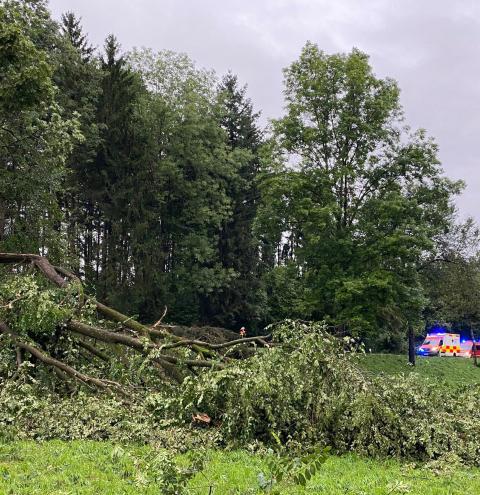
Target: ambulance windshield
[{"x": 432, "y": 339}]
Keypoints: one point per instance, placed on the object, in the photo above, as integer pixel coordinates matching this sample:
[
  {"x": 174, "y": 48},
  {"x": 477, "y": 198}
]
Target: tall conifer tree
[
  {"x": 113, "y": 177},
  {"x": 79, "y": 79},
  {"x": 237, "y": 303},
  {"x": 73, "y": 31}
]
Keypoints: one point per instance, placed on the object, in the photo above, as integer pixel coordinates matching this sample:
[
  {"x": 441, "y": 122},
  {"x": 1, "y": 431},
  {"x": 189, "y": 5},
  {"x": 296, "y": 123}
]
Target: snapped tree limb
[
  {"x": 105, "y": 385},
  {"x": 152, "y": 342}
]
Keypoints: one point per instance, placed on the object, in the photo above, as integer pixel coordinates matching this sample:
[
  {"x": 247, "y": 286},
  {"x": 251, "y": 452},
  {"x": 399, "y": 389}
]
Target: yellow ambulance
[{"x": 450, "y": 345}]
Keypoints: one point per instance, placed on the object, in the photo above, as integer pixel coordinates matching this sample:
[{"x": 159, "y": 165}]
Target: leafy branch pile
[
  {"x": 310, "y": 390},
  {"x": 57, "y": 325},
  {"x": 305, "y": 389}
]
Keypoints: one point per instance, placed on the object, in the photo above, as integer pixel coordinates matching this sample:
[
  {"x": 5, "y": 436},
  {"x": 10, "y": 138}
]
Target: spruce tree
[
  {"x": 72, "y": 30},
  {"x": 78, "y": 78},
  {"x": 238, "y": 304},
  {"x": 119, "y": 180}
]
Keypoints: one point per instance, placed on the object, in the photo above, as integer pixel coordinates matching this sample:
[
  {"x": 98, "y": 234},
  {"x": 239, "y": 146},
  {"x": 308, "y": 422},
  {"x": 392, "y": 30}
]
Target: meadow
[
  {"x": 93, "y": 468},
  {"x": 453, "y": 372}
]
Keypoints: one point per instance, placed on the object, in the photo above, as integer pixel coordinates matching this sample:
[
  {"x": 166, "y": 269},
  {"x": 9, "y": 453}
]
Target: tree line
[{"x": 153, "y": 180}]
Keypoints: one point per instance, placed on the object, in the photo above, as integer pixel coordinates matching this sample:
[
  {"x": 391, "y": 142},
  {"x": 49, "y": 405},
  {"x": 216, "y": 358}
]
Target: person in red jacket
[{"x": 243, "y": 332}]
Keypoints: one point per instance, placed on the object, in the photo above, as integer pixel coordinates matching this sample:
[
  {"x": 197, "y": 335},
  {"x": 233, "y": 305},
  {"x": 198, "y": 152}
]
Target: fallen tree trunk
[
  {"x": 56, "y": 275},
  {"x": 159, "y": 343},
  {"x": 105, "y": 385},
  {"x": 144, "y": 347},
  {"x": 40, "y": 262}
]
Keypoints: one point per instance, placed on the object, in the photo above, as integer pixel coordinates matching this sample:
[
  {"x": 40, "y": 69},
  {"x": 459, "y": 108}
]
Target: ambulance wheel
[{"x": 454, "y": 354}]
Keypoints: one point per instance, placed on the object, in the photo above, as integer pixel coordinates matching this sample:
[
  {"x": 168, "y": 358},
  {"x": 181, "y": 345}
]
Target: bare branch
[
  {"x": 186, "y": 343},
  {"x": 143, "y": 347},
  {"x": 161, "y": 318}
]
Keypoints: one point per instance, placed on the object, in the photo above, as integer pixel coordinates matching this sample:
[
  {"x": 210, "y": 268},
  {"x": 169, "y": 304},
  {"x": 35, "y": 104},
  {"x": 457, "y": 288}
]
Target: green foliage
[
  {"x": 452, "y": 279},
  {"x": 238, "y": 303},
  {"x": 291, "y": 388},
  {"x": 31, "y": 411},
  {"x": 356, "y": 198},
  {"x": 285, "y": 292},
  {"x": 35, "y": 140},
  {"x": 78, "y": 78},
  {"x": 291, "y": 468},
  {"x": 160, "y": 469},
  {"x": 178, "y": 258},
  {"x": 72, "y": 31},
  {"x": 26, "y": 74},
  {"x": 30, "y": 308},
  {"x": 28, "y": 411},
  {"x": 309, "y": 390},
  {"x": 334, "y": 403}
]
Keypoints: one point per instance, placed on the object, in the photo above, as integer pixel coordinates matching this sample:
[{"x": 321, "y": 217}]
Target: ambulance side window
[{"x": 441, "y": 342}]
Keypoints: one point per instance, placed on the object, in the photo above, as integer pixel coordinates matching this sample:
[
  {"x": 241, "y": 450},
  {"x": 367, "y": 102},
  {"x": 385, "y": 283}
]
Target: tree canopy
[{"x": 357, "y": 198}]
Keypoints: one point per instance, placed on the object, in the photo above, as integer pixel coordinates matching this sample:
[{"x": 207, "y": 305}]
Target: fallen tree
[{"x": 89, "y": 323}]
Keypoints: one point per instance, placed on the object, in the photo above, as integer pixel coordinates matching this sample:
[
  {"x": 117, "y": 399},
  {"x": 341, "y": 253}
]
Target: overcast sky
[{"x": 431, "y": 47}]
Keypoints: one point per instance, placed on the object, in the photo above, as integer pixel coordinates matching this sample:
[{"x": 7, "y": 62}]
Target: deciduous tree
[{"x": 359, "y": 198}]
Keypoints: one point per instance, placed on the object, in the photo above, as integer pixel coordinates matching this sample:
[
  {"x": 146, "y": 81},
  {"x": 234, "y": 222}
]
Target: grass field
[
  {"x": 451, "y": 371},
  {"x": 81, "y": 467}
]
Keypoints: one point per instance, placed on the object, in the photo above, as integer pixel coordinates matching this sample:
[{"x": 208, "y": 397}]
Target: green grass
[
  {"x": 339, "y": 475},
  {"x": 81, "y": 467},
  {"x": 450, "y": 371}
]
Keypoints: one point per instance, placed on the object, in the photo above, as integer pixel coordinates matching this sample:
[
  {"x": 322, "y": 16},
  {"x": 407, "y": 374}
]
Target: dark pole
[
  {"x": 411, "y": 344},
  {"x": 474, "y": 347}
]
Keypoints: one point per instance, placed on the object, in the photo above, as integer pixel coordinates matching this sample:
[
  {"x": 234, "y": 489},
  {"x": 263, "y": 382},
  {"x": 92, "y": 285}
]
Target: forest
[
  {"x": 153, "y": 181},
  {"x": 148, "y": 212}
]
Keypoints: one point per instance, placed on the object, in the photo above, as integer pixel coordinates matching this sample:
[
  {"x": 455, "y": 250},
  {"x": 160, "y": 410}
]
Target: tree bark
[
  {"x": 3, "y": 214},
  {"x": 19, "y": 358},
  {"x": 474, "y": 347},
  {"x": 411, "y": 344}
]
